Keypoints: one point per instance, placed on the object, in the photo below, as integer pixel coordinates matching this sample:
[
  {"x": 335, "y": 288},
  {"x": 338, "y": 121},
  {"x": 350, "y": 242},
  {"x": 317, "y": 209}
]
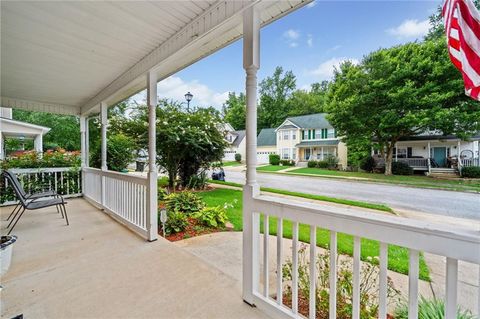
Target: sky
[{"x": 309, "y": 42}]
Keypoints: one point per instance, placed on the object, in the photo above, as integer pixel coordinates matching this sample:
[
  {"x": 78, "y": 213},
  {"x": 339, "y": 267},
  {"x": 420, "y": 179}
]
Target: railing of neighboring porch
[
  {"x": 466, "y": 162},
  {"x": 414, "y": 235},
  {"x": 122, "y": 196},
  {"x": 63, "y": 180}
]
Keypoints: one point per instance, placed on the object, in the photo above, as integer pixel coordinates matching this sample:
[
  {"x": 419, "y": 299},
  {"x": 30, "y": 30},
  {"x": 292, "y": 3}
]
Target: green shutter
[
  {"x": 313, "y": 134},
  {"x": 309, "y": 134},
  {"x": 303, "y": 134}
]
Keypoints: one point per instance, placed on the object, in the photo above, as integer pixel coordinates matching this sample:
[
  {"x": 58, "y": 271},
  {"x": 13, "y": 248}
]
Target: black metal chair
[{"x": 32, "y": 201}]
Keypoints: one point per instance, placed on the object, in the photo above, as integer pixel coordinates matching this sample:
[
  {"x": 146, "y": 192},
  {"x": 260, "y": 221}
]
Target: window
[
  {"x": 285, "y": 153},
  {"x": 294, "y": 135},
  {"x": 294, "y": 154},
  {"x": 286, "y": 135},
  {"x": 331, "y": 133},
  {"x": 279, "y": 136},
  {"x": 318, "y": 134}
]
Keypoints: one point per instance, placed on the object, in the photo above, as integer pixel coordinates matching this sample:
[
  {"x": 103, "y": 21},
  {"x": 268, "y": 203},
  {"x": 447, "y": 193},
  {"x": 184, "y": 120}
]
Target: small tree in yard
[{"x": 238, "y": 157}]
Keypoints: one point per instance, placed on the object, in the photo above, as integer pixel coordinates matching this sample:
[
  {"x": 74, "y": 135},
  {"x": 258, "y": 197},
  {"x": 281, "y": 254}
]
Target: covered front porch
[{"x": 96, "y": 268}]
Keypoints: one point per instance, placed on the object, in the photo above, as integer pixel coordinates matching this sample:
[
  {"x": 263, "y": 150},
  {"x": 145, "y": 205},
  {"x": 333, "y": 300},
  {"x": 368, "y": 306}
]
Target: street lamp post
[{"x": 188, "y": 97}]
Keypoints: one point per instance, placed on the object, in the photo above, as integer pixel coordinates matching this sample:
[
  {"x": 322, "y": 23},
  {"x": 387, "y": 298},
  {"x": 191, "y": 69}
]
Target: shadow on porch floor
[{"x": 96, "y": 268}]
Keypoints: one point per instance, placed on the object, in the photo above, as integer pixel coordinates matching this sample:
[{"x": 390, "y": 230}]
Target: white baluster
[
  {"x": 356, "y": 278},
  {"x": 279, "y": 260},
  {"x": 382, "y": 294},
  {"x": 266, "y": 252},
  {"x": 333, "y": 275},
  {"x": 295, "y": 267},
  {"x": 451, "y": 289},
  {"x": 313, "y": 275},
  {"x": 413, "y": 284}
]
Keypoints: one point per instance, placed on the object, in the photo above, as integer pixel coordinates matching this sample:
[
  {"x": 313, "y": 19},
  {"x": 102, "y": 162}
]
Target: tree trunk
[{"x": 388, "y": 160}]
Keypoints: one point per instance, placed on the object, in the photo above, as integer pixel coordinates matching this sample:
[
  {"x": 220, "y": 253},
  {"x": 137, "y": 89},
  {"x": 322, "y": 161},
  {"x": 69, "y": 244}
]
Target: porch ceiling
[{"x": 67, "y": 57}]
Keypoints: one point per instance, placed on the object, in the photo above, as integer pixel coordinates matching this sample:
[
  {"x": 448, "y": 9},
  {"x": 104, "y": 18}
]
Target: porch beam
[
  {"x": 251, "y": 64},
  {"x": 152, "y": 100},
  {"x": 30, "y": 105}
]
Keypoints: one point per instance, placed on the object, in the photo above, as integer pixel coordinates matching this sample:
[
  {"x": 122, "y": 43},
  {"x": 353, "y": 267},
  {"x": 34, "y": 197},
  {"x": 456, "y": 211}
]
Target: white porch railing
[
  {"x": 63, "y": 180},
  {"x": 466, "y": 162},
  {"x": 416, "y": 236},
  {"x": 414, "y": 162},
  {"x": 122, "y": 196}
]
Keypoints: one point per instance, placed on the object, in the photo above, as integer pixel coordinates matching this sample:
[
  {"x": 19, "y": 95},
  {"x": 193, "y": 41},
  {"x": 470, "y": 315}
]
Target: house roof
[
  {"x": 318, "y": 143},
  {"x": 317, "y": 120},
  {"x": 17, "y": 128},
  {"x": 240, "y": 136},
  {"x": 433, "y": 136},
  {"x": 267, "y": 137}
]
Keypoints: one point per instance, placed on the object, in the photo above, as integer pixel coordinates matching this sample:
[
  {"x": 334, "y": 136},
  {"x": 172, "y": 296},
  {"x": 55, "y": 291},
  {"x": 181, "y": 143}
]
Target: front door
[
  {"x": 307, "y": 154},
  {"x": 440, "y": 156}
]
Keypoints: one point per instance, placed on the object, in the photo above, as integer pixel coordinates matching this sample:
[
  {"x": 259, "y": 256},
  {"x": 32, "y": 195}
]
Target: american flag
[{"x": 462, "y": 26}]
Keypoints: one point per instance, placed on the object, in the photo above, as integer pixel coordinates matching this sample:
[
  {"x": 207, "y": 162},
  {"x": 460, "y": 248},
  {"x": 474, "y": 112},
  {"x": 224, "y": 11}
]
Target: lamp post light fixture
[{"x": 188, "y": 97}]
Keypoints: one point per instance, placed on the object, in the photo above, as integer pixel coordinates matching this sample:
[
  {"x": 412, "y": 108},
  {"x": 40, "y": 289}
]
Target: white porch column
[
  {"x": 87, "y": 142},
  {"x": 104, "y": 121},
  {"x": 458, "y": 150},
  {"x": 2, "y": 151},
  {"x": 152, "y": 219},
  {"x": 251, "y": 220},
  {"x": 38, "y": 144},
  {"x": 83, "y": 140},
  {"x": 396, "y": 152},
  {"x": 323, "y": 154}
]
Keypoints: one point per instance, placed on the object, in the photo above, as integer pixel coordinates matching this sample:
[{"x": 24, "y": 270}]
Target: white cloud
[
  {"x": 312, "y": 4},
  {"x": 175, "y": 88},
  {"x": 291, "y": 37},
  {"x": 325, "y": 70},
  {"x": 310, "y": 41},
  {"x": 410, "y": 29}
]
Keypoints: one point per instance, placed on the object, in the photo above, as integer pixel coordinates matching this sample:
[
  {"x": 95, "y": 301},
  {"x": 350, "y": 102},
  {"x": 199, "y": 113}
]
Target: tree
[
  {"x": 274, "y": 93},
  {"x": 65, "y": 129},
  {"x": 400, "y": 92},
  {"x": 120, "y": 152},
  {"x": 187, "y": 142},
  {"x": 303, "y": 102},
  {"x": 234, "y": 110}
]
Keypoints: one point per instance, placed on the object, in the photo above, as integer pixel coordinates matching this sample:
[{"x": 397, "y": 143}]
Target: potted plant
[{"x": 6, "y": 246}]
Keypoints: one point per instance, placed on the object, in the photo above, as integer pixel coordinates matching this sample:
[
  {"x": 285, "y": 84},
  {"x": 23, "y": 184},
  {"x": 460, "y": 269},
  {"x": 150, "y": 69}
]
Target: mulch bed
[{"x": 193, "y": 229}]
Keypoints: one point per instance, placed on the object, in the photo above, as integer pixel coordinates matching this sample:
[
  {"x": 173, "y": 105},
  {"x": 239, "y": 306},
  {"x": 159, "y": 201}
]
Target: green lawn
[
  {"x": 397, "y": 256},
  {"x": 231, "y": 163},
  {"x": 271, "y": 168},
  {"x": 380, "y": 207},
  {"x": 413, "y": 180}
]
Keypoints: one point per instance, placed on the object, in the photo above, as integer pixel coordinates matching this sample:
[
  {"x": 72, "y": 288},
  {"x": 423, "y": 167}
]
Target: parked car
[{"x": 218, "y": 174}]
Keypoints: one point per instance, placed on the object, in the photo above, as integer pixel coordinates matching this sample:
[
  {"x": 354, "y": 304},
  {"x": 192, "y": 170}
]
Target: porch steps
[{"x": 444, "y": 173}]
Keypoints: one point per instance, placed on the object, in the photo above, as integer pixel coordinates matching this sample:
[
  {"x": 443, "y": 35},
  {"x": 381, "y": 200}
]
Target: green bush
[
  {"x": 120, "y": 153},
  {"x": 312, "y": 164},
  {"x": 198, "y": 181},
  {"x": 238, "y": 157},
  {"x": 161, "y": 194},
  {"x": 401, "y": 168},
  {"x": 471, "y": 172},
  {"x": 31, "y": 159},
  {"x": 332, "y": 161},
  {"x": 162, "y": 182},
  {"x": 176, "y": 222},
  {"x": 274, "y": 159},
  {"x": 322, "y": 164},
  {"x": 185, "y": 202},
  {"x": 211, "y": 217},
  {"x": 429, "y": 309},
  {"x": 287, "y": 162},
  {"x": 368, "y": 164}
]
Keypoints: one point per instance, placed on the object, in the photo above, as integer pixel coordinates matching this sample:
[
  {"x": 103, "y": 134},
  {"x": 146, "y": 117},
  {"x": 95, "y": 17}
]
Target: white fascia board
[
  {"x": 287, "y": 121},
  {"x": 39, "y": 106},
  {"x": 40, "y": 129}
]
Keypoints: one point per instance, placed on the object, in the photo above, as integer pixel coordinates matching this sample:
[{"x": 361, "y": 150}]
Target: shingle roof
[
  {"x": 240, "y": 137},
  {"x": 318, "y": 143},
  {"x": 267, "y": 137},
  {"x": 311, "y": 121}
]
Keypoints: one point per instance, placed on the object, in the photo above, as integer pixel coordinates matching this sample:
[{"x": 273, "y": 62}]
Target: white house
[
  {"x": 10, "y": 128},
  {"x": 236, "y": 143},
  {"x": 309, "y": 137}
]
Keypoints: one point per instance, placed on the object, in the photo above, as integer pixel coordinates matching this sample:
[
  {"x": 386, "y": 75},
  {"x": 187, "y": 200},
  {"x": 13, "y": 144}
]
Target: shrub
[
  {"x": 274, "y": 159},
  {"x": 120, "y": 153},
  {"x": 185, "y": 202},
  {"x": 332, "y": 161},
  {"x": 471, "y": 172},
  {"x": 31, "y": 159},
  {"x": 368, "y": 164},
  {"x": 322, "y": 164},
  {"x": 162, "y": 182},
  {"x": 211, "y": 217},
  {"x": 429, "y": 309},
  {"x": 401, "y": 168},
  {"x": 238, "y": 157},
  {"x": 287, "y": 162},
  {"x": 198, "y": 181},
  {"x": 161, "y": 194},
  {"x": 368, "y": 286},
  {"x": 176, "y": 222},
  {"x": 312, "y": 164}
]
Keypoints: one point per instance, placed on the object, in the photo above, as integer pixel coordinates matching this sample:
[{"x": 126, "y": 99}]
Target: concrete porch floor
[{"x": 96, "y": 268}]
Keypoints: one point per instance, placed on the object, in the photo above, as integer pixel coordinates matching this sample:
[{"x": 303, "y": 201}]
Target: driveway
[{"x": 440, "y": 202}]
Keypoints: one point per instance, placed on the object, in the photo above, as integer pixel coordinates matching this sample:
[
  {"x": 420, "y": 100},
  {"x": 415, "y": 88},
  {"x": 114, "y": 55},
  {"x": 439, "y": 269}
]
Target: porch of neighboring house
[
  {"x": 98, "y": 268},
  {"x": 322, "y": 150}
]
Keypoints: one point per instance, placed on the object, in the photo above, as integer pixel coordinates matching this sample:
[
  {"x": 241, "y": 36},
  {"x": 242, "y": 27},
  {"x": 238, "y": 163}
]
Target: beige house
[
  {"x": 309, "y": 137},
  {"x": 266, "y": 145}
]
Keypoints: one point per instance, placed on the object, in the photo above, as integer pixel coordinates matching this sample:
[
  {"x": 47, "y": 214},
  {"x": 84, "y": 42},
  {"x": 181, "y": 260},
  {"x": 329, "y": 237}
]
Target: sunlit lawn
[{"x": 271, "y": 168}]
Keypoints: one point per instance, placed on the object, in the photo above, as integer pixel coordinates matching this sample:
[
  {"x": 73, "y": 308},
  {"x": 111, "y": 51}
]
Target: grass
[
  {"x": 397, "y": 256},
  {"x": 412, "y": 180},
  {"x": 231, "y": 163},
  {"x": 355, "y": 203},
  {"x": 271, "y": 168}
]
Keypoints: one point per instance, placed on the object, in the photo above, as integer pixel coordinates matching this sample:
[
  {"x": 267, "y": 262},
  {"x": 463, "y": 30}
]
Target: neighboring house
[
  {"x": 432, "y": 150},
  {"x": 10, "y": 128},
  {"x": 266, "y": 145},
  {"x": 309, "y": 137},
  {"x": 236, "y": 143}
]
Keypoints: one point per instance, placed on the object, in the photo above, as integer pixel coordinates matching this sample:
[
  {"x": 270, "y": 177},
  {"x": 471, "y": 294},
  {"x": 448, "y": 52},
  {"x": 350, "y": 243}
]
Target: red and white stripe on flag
[{"x": 462, "y": 27}]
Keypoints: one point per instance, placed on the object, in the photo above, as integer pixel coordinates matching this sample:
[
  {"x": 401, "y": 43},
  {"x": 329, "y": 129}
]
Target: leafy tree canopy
[{"x": 234, "y": 110}]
